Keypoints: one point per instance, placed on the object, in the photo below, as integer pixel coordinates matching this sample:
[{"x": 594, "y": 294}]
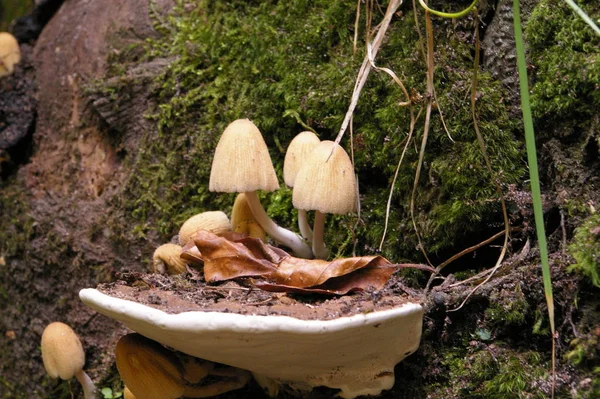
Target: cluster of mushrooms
[
  {"x": 323, "y": 180},
  {"x": 320, "y": 173}
]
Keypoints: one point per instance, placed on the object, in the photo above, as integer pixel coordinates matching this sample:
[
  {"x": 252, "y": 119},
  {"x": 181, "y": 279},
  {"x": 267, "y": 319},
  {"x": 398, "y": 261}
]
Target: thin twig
[
  {"x": 365, "y": 68},
  {"x": 488, "y": 164},
  {"x": 355, "y": 42},
  {"x": 430, "y": 68}
]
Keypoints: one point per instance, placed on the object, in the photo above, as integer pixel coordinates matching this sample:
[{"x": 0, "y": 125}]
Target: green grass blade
[
  {"x": 534, "y": 179},
  {"x": 532, "y": 160}
]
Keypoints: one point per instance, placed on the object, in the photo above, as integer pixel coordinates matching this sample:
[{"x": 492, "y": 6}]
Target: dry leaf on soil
[{"x": 232, "y": 256}]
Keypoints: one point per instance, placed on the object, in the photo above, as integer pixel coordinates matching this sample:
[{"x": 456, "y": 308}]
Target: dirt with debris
[{"x": 188, "y": 292}]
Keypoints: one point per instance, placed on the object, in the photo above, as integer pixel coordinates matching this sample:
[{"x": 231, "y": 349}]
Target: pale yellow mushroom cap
[
  {"x": 216, "y": 222},
  {"x": 242, "y": 162},
  {"x": 10, "y": 53},
  {"x": 62, "y": 352},
  {"x": 326, "y": 183},
  {"x": 242, "y": 219},
  {"x": 297, "y": 152},
  {"x": 148, "y": 369},
  {"x": 167, "y": 259}
]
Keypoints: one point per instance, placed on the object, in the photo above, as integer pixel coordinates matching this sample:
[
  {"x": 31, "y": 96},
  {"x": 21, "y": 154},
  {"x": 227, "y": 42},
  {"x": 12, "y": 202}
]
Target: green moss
[
  {"x": 492, "y": 372},
  {"x": 16, "y": 223},
  {"x": 515, "y": 377},
  {"x": 584, "y": 248},
  {"x": 281, "y": 63},
  {"x": 507, "y": 309},
  {"x": 584, "y": 351},
  {"x": 584, "y": 354},
  {"x": 566, "y": 61}
]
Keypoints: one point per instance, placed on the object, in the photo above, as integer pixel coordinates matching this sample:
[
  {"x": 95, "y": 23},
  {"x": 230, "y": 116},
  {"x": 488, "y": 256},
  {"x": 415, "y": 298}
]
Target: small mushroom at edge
[
  {"x": 10, "y": 53},
  {"x": 63, "y": 356}
]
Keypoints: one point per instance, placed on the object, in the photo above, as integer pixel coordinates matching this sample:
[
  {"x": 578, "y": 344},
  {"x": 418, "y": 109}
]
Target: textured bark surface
[{"x": 67, "y": 184}]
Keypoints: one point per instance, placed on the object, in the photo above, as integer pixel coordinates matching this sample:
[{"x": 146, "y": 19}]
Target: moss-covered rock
[
  {"x": 566, "y": 61},
  {"x": 288, "y": 66}
]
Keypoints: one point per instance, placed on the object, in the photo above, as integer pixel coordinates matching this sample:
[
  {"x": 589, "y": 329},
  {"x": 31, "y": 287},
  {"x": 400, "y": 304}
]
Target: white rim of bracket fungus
[{"x": 355, "y": 354}]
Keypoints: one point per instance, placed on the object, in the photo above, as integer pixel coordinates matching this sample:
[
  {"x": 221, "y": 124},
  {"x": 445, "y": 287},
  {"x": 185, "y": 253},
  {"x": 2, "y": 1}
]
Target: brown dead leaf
[
  {"x": 225, "y": 258},
  {"x": 232, "y": 256},
  {"x": 373, "y": 278}
]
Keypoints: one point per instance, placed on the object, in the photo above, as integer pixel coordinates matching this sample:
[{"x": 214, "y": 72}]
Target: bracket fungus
[
  {"x": 214, "y": 221},
  {"x": 242, "y": 164},
  {"x": 355, "y": 354},
  {"x": 10, "y": 53},
  {"x": 326, "y": 184},
  {"x": 63, "y": 356},
  {"x": 298, "y": 150}
]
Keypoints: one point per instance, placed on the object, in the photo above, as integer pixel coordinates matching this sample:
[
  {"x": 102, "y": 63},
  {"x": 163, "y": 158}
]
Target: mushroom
[
  {"x": 326, "y": 184},
  {"x": 148, "y": 369},
  {"x": 10, "y": 53},
  {"x": 214, "y": 221},
  {"x": 242, "y": 164},
  {"x": 298, "y": 150},
  {"x": 242, "y": 219},
  {"x": 63, "y": 356},
  {"x": 127, "y": 394},
  {"x": 355, "y": 354},
  {"x": 167, "y": 259}
]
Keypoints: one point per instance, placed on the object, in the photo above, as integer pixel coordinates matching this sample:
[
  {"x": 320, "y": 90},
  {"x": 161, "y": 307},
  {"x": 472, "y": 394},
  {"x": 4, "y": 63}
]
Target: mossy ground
[
  {"x": 585, "y": 248},
  {"x": 289, "y": 65}
]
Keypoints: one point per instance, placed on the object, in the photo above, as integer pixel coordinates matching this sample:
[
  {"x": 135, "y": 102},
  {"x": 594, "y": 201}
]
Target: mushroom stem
[
  {"x": 303, "y": 225},
  {"x": 89, "y": 389},
  {"x": 318, "y": 245},
  {"x": 279, "y": 234}
]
